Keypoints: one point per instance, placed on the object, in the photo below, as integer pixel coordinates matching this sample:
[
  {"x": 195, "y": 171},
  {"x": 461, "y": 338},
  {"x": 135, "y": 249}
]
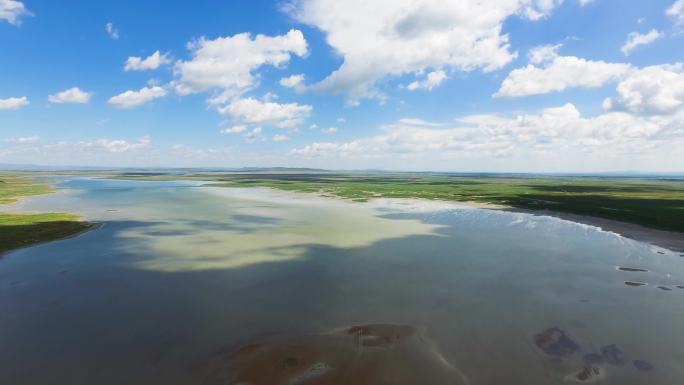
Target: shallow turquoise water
[{"x": 179, "y": 272}]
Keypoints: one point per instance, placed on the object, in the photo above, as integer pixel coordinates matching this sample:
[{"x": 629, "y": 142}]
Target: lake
[{"x": 180, "y": 275}]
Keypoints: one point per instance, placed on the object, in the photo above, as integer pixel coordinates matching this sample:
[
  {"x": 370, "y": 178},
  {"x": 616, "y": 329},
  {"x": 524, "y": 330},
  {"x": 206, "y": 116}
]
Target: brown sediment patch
[
  {"x": 632, "y": 269},
  {"x": 644, "y": 366},
  {"x": 554, "y": 342},
  {"x": 378, "y": 354},
  {"x": 632, "y": 283},
  {"x": 613, "y": 355},
  {"x": 588, "y": 374}
]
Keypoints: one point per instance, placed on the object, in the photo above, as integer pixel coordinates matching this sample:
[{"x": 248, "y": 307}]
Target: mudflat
[{"x": 377, "y": 354}]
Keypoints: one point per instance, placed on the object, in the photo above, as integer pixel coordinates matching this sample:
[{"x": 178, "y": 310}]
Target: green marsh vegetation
[
  {"x": 653, "y": 203},
  {"x": 21, "y": 230}
]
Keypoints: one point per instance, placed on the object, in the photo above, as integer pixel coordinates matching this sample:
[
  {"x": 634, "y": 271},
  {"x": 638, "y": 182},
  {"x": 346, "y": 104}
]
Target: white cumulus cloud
[
  {"x": 189, "y": 154},
  {"x": 12, "y": 11},
  {"x": 112, "y": 31},
  {"x": 654, "y": 90},
  {"x": 383, "y": 38},
  {"x": 258, "y": 112},
  {"x": 560, "y": 135},
  {"x": 152, "y": 62},
  {"x": 550, "y": 72},
  {"x": 130, "y": 99},
  {"x": 117, "y": 145},
  {"x": 676, "y": 11},
  {"x": 253, "y": 135},
  {"x": 293, "y": 81},
  {"x": 636, "y": 39},
  {"x": 24, "y": 140},
  {"x": 116, "y": 152},
  {"x": 226, "y": 64},
  {"x": 280, "y": 138},
  {"x": 642, "y": 125},
  {"x": 418, "y": 122},
  {"x": 72, "y": 95},
  {"x": 237, "y": 129},
  {"x": 432, "y": 80},
  {"x": 13, "y": 103}
]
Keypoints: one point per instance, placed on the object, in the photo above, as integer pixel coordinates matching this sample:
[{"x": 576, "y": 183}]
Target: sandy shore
[{"x": 667, "y": 239}]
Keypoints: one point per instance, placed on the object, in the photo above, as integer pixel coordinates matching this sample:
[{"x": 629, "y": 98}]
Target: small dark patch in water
[
  {"x": 613, "y": 355},
  {"x": 680, "y": 287},
  {"x": 631, "y": 283},
  {"x": 664, "y": 288},
  {"x": 632, "y": 269},
  {"x": 643, "y": 365},
  {"x": 62, "y": 272},
  {"x": 660, "y": 252},
  {"x": 290, "y": 362},
  {"x": 588, "y": 373},
  {"x": 15, "y": 283},
  {"x": 256, "y": 219},
  {"x": 554, "y": 342}
]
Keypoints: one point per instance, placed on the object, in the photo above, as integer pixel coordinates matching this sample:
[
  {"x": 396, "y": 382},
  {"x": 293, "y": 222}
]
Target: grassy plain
[
  {"x": 21, "y": 230},
  {"x": 13, "y": 187},
  {"x": 653, "y": 203}
]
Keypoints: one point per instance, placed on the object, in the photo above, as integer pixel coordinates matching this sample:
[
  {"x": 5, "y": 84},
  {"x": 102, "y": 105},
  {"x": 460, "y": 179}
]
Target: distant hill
[{"x": 308, "y": 170}]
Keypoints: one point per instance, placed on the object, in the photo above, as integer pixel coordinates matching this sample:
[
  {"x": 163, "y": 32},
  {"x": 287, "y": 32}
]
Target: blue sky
[{"x": 510, "y": 85}]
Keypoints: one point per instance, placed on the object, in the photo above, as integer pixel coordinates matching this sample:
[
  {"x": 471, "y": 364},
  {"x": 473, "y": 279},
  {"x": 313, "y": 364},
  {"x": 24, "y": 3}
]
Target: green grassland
[
  {"x": 653, "y": 203},
  {"x": 21, "y": 230},
  {"x": 13, "y": 187}
]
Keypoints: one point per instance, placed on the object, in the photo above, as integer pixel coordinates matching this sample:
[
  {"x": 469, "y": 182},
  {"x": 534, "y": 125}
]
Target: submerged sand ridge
[{"x": 377, "y": 354}]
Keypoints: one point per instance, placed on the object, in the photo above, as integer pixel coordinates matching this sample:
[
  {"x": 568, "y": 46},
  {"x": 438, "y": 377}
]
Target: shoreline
[
  {"x": 91, "y": 227},
  {"x": 661, "y": 238},
  {"x": 670, "y": 240},
  {"x": 14, "y": 207}
]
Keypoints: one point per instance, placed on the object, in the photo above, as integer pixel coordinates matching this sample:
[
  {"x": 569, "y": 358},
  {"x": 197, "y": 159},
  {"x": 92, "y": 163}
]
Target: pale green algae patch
[{"x": 264, "y": 226}]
